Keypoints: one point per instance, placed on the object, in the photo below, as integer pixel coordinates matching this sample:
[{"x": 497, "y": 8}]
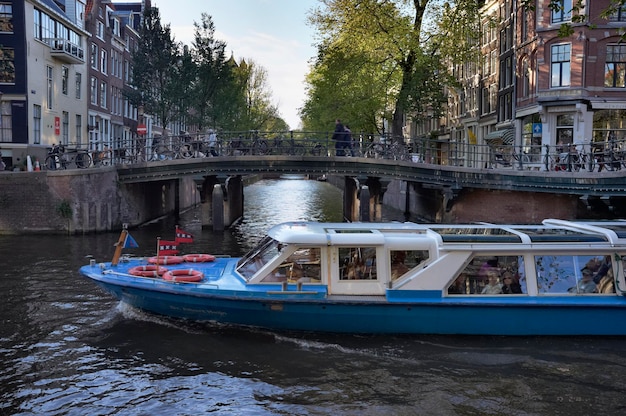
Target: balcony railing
[{"x": 66, "y": 51}]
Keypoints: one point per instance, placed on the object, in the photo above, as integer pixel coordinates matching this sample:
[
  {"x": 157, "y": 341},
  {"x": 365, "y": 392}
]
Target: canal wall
[
  {"x": 85, "y": 201},
  {"x": 93, "y": 200}
]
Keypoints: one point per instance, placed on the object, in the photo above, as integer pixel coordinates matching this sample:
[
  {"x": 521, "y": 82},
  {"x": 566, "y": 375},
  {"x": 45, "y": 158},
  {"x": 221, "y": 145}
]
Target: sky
[{"x": 272, "y": 33}]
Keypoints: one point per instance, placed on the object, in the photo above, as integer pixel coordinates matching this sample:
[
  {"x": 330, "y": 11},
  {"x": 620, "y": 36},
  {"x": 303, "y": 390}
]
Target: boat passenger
[
  {"x": 602, "y": 270},
  {"x": 510, "y": 284},
  {"x": 585, "y": 284},
  {"x": 493, "y": 286},
  {"x": 459, "y": 287}
]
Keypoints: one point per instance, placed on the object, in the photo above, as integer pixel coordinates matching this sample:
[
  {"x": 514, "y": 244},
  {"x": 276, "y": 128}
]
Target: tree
[
  {"x": 259, "y": 110},
  {"x": 381, "y": 42},
  {"x": 215, "y": 86},
  {"x": 155, "y": 69}
]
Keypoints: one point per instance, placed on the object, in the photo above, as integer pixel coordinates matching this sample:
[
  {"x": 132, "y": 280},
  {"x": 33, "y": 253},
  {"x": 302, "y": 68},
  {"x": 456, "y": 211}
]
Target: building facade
[
  {"x": 63, "y": 67},
  {"x": 535, "y": 90}
]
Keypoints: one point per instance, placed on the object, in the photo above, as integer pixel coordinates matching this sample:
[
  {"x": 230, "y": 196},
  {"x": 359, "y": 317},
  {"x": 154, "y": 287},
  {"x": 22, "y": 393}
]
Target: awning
[{"x": 500, "y": 137}]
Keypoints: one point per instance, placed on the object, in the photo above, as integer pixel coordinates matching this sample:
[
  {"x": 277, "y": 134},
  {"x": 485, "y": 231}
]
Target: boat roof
[{"x": 549, "y": 231}]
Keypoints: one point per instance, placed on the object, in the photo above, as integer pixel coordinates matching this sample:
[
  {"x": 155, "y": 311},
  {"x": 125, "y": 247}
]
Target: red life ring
[
  {"x": 198, "y": 258},
  {"x": 165, "y": 260},
  {"x": 147, "y": 271},
  {"x": 183, "y": 275}
]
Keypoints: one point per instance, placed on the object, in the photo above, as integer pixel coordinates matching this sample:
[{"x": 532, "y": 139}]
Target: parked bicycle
[
  {"x": 163, "y": 149},
  {"x": 59, "y": 158},
  {"x": 102, "y": 157},
  {"x": 289, "y": 147},
  {"x": 382, "y": 150},
  {"x": 255, "y": 145}
]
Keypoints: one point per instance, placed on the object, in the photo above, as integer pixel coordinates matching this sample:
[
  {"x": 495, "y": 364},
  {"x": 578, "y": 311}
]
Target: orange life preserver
[
  {"x": 165, "y": 260},
  {"x": 183, "y": 275},
  {"x": 147, "y": 271},
  {"x": 198, "y": 258}
]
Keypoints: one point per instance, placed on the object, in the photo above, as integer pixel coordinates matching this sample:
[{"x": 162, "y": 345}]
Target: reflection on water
[{"x": 68, "y": 348}]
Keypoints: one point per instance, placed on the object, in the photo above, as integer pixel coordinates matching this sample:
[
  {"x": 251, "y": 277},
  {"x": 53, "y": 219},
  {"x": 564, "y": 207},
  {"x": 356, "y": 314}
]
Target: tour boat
[{"x": 554, "y": 278}]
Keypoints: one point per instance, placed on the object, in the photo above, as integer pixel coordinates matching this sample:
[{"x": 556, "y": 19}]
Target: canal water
[{"x": 68, "y": 348}]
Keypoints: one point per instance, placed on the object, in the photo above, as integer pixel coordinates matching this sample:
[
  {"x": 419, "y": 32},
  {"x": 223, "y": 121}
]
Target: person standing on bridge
[
  {"x": 339, "y": 136},
  {"x": 212, "y": 142}
]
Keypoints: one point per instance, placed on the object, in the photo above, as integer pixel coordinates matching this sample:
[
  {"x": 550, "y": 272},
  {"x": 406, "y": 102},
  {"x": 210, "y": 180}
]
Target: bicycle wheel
[
  {"x": 317, "y": 149},
  {"x": 261, "y": 147},
  {"x": 51, "y": 162},
  {"x": 298, "y": 150},
  {"x": 185, "y": 151},
  {"x": 83, "y": 160}
]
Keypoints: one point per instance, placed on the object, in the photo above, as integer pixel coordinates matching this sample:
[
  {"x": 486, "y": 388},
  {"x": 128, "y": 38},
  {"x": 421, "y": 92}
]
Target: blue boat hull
[{"x": 548, "y": 316}]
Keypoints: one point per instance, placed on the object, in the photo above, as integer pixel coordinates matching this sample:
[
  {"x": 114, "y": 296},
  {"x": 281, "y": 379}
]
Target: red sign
[
  {"x": 141, "y": 129},
  {"x": 57, "y": 126}
]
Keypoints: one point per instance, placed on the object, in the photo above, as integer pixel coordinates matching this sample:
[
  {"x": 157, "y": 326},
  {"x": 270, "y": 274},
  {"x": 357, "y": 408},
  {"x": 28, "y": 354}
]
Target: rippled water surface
[{"x": 67, "y": 348}]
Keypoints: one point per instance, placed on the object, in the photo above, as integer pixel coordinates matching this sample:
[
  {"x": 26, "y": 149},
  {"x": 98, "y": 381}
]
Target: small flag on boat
[
  {"x": 168, "y": 248},
  {"x": 129, "y": 242},
  {"x": 183, "y": 236}
]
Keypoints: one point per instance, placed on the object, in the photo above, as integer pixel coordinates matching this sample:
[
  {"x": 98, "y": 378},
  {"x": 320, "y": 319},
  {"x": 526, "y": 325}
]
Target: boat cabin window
[
  {"x": 301, "y": 266},
  {"x": 574, "y": 274},
  {"x": 491, "y": 275},
  {"x": 258, "y": 257},
  {"x": 357, "y": 263},
  {"x": 404, "y": 260}
]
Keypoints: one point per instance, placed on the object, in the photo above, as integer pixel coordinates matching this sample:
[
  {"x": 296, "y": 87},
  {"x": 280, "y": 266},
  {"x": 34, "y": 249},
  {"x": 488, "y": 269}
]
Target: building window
[
  {"x": 615, "y": 68},
  {"x": 79, "y": 85},
  {"x": 103, "y": 61},
  {"x": 100, "y": 30},
  {"x": 6, "y": 17},
  {"x": 619, "y": 15},
  {"x": 560, "y": 66},
  {"x": 116, "y": 27},
  {"x": 49, "y": 86},
  {"x": 65, "y": 73},
  {"x": 525, "y": 79},
  {"x": 93, "y": 91},
  {"x": 7, "y": 65},
  {"x": 65, "y": 128},
  {"x": 564, "y": 129},
  {"x": 103, "y": 94},
  {"x": 563, "y": 13},
  {"x": 485, "y": 101},
  {"x": 79, "y": 129},
  {"x": 526, "y": 18},
  {"x": 80, "y": 13},
  {"x": 94, "y": 56},
  {"x": 6, "y": 123},
  {"x": 506, "y": 72},
  {"x": 36, "y": 124}
]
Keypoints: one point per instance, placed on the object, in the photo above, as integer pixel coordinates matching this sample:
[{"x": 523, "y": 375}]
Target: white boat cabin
[{"x": 555, "y": 258}]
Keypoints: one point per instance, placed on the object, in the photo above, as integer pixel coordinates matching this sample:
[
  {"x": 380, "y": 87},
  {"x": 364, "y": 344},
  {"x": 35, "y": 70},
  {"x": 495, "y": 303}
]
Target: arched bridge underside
[
  {"x": 447, "y": 178},
  {"x": 428, "y": 191}
]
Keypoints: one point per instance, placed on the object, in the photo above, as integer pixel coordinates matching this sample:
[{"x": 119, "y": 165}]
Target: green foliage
[
  {"x": 381, "y": 61},
  {"x": 197, "y": 86},
  {"x": 64, "y": 209},
  {"x": 156, "y": 69}
]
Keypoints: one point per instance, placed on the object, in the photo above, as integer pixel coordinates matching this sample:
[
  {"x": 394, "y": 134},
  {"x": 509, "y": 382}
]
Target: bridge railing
[{"x": 597, "y": 156}]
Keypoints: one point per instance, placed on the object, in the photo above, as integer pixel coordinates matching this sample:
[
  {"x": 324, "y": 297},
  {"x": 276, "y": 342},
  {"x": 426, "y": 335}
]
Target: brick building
[{"x": 533, "y": 88}]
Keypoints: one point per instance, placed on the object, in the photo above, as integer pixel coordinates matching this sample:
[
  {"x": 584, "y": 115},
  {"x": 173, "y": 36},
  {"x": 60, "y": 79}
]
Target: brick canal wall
[
  {"x": 497, "y": 206},
  {"x": 79, "y": 201},
  {"x": 92, "y": 200}
]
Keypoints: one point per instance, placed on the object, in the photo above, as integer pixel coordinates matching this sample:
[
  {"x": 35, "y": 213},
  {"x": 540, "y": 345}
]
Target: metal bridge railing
[{"x": 590, "y": 157}]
